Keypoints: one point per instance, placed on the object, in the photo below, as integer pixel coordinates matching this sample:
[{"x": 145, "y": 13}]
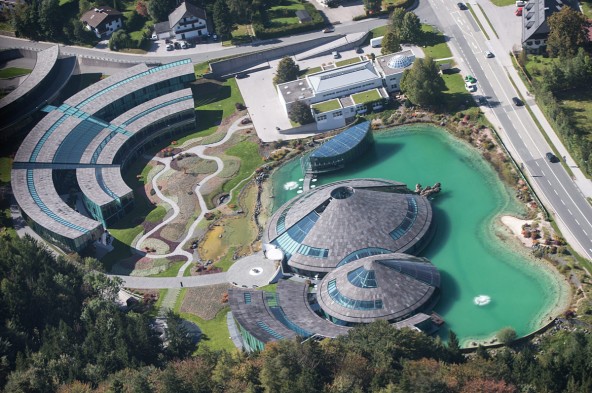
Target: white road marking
[
  {"x": 577, "y": 222},
  {"x": 556, "y": 192},
  {"x": 562, "y": 202},
  {"x": 570, "y": 213}
]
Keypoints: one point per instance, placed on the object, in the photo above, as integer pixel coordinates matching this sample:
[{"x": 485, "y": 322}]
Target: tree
[
  {"x": 566, "y": 32},
  {"x": 222, "y": 19},
  {"x": 422, "y": 83},
  {"x": 390, "y": 43},
  {"x": 83, "y": 6},
  {"x": 25, "y": 19},
  {"x": 300, "y": 113},
  {"x": 159, "y": 10},
  {"x": 410, "y": 28},
  {"x": 240, "y": 10},
  {"x": 372, "y": 6},
  {"x": 287, "y": 71},
  {"x": 142, "y": 9},
  {"x": 396, "y": 20},
  {"x": 119, "y": 40},
  {"x": 179, "y": 342},
  {"x": 50, "y": 19},
  {"x": 506, "y": 335},
  {"x": 135, "y": 21}
]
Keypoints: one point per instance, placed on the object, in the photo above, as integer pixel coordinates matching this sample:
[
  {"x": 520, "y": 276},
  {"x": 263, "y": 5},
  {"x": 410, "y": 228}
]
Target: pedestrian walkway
[{"x": 172, "y": 282}]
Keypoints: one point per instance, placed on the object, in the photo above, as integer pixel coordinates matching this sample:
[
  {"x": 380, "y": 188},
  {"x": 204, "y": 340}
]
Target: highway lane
[{"x": 551, "y": 181}]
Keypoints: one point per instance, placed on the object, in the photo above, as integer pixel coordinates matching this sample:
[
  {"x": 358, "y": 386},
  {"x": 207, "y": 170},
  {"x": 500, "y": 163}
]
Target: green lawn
[
  {"x": 215, "y": 334},
  {"x": 456, "y": 93},
  {"x": 434, "y": 43},
  {"x": 248, "y": 152},
  {"x": 578, "y": 106},
  {"x": 156, "y": 215},
  {"x": 172, "y": 270},
  {"x": 277, "y": 22},
  {"x": 226, "y": 261},
  {"x": 313, "y": 70},
  {"x": 503, "y": 3},
  {"x": 6, "y": 26},
  {"x": 366, "y": 96},
  {"x": 347, "y": 62},
  {"x": 326, "y": 106},
  {"x": 5, "y": 167},
  {"x": 478, "y": 21},
  {"x": 288, "y": 5},
  {"x": 214, "y": 102},
  {"x": 12, "y": 72},
  {"x": 587, "y": 8}
]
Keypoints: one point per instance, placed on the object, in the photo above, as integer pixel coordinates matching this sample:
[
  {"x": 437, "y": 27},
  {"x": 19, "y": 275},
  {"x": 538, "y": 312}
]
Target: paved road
[
  {"x": 172, "y": 282},
  {"x": 520, "y": 133},
  {"x": 340, "y": 30}
]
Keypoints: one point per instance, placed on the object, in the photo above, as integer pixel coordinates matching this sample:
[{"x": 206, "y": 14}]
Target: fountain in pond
[
  {"x": 481, "y": 300},
  {"x": 291, "y": 185}
]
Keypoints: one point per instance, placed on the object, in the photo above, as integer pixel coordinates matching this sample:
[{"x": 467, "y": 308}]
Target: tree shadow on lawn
[{"x": 207, "y": 91}]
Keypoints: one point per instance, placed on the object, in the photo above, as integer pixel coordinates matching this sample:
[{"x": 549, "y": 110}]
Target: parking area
[
  {"x": 158, "y": 48},
  {"x": 507, "y": 25},
  {"x": 344, "y": 13}
]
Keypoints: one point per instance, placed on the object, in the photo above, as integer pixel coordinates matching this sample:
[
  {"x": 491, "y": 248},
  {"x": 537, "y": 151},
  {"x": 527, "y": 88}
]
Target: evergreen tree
[
  {"x": 287, "y": 71},
  {"x": 422, "y": 83},
  {"x": 372, "y": 6},
  {"x": 390, "y": 43},
  {"x": 300, "y": 113},
  {"x": 410, "y": 28},
  {"x": 159, "y": 10},
  {"x": 396, "y": 21},
  {"x": 222, "y": 19},
  {"x": 179, "y": 342}
]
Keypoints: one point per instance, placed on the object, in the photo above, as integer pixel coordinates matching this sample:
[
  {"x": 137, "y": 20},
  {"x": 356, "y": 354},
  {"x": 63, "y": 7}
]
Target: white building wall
[
  {"x": 190, "y": 28},
  {"x": 393, "y": 82},
  {"x": 348, "y": 90},
  {"x": 533, "y": 46}
]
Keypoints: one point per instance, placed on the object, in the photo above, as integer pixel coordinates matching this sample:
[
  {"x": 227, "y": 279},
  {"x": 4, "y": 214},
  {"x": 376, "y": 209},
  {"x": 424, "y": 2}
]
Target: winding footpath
[{"x": 169, "y": 282}]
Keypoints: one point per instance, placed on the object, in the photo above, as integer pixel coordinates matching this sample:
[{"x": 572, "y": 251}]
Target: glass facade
[
  {"x": 343, "y": 148},
  {"x": 347, "y": 302},
  {"x": 362, "y": 278},
  {"x": 362, "y": 253},
  {"x": 408, "y": 221}
]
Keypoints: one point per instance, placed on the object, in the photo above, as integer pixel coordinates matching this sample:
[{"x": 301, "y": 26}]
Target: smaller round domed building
[{"x": 392, "y": 287}]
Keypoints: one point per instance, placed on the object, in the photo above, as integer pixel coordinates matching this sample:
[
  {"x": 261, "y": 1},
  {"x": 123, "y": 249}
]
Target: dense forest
[{"x": 61, "y": 330}]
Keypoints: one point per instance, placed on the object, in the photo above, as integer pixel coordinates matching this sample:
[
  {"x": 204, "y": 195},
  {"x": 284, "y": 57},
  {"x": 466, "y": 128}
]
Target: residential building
[
  {"x": 186, "y": 22},
  {"x": 102, "y": 21},
  {"x": 535, "y": 28}
]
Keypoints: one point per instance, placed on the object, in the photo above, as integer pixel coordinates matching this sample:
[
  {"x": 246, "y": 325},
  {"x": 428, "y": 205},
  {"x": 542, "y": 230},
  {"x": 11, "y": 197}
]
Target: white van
[{"x": 376, "y": 42}]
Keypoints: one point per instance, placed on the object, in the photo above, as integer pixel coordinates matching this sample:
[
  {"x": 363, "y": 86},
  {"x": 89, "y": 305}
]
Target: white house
[
  {"x": 338, "y": 94},
  {"x": 187, "y": 21},
  {"x": 102, "y": 21}
]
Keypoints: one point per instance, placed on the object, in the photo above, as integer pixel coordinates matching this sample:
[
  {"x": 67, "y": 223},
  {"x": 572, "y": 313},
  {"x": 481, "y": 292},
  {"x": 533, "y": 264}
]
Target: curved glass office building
[
  {"x": 339, "y": 223},
  {"x": 338, "y": 151}
]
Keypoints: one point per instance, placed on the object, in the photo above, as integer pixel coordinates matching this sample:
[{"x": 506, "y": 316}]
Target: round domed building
[
  {"x": 338, "y": 223},
  {"x": 393, "y": 287}
]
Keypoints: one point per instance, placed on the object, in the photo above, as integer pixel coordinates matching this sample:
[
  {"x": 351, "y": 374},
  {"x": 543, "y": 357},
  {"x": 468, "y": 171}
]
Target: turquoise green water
[{"x": 471, "y": 259}]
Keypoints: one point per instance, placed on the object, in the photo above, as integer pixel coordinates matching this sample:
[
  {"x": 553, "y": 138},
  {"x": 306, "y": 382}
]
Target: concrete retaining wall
[{"x": 238, "y": 64}]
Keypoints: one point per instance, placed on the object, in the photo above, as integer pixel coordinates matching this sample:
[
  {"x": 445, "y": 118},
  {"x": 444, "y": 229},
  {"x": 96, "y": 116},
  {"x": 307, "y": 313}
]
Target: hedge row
[{"x": 263, "y": 32}]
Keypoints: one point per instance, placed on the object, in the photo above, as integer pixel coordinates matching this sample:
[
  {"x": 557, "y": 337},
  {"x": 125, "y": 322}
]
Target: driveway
[{"x": 344, "y": 13}]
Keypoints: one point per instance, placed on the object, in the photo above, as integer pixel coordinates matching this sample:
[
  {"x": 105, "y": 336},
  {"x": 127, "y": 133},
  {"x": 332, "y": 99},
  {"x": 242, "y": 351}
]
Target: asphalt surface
[{"x": 554, "y": 185}]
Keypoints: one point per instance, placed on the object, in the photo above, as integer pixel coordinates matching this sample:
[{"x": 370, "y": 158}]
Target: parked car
[
  {"x": 551, "y": 157},
  {"x": 461, "y": 6},
  {"x": 177, "y": 45},
  {"x": 242, "y": 75},
  {"x": 184, "y": 45},
  {"x": 517, "y": 101},
  {"x": 471, "y": 87},
  {"x": 170, "y": 47},
  {"x": 470, "y": 79},
  {"x": 359, "y": 49},
  {"x": 518, "y": 12},
  {"x": 328, "y": 30},
  {"x": 167, "y": 41},
  {"x": 488, "y": 54},
  {"x": 335, "y": 55}
]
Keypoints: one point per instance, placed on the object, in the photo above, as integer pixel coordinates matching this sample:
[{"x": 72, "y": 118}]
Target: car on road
[
  {"x": 336, "y": 55},
  {"x": 517, "y": 101},
  {"x": 470, "y": 79},
  {"x": 471, "y": 87},
  {"x": 518, "y": 12},
  {"x": 461, "y": 6},
  {"x": 488, "y": 54},
  {"x": 551, "y": 157},
  {"x": 328, "y": 30}
]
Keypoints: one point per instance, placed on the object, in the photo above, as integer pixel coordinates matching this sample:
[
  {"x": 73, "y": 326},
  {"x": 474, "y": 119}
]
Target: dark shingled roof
[
  {"x": 185, "y": 10},
  {"x": 380, "y": 214},
  {"x": 98, "y": 15},
  {"x": 535, "y": 14},
  {"x": 390, "y": 287}
]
